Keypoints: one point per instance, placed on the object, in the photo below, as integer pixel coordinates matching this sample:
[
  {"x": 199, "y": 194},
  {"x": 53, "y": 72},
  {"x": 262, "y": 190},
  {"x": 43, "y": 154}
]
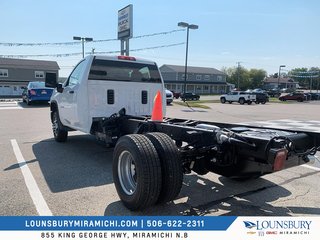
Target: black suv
[
  {"x": 189, "y": 96},
  {"x": 275, "y": 92},
  {"x": 261, "y": 97}
]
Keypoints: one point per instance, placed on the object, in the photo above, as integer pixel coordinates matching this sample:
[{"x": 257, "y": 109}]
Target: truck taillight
[
  {"x": 280, "y": 160},
  {"x": 32, "y": 92},
  {"x": 127, "y": 58}
]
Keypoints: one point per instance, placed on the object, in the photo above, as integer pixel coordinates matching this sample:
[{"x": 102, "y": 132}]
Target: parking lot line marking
[
  {"x": 311, "y": 167},
  {"x": 34, "y": 191}
]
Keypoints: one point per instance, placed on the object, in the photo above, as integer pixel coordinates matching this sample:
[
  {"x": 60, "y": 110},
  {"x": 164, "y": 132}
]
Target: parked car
[
  {"x": 36, "y": 92},
  {"x": 315, "y": 96},
  {"x": 176, "y": 95},
  {"x": 189, "y": 96},
  {"x": 275, "y": 92},
  {"x": 169, "y": 96},
  {"x": 307, "y": 96},
  {"x": 293, "y": 96},
  {"x": 261, "y": 97},
  {"x": 258, "y": 90}
]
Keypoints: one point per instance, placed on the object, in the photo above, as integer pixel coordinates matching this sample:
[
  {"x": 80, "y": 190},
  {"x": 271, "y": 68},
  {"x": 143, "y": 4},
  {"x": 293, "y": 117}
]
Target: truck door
[
  {"x": 234, "y": 96},
  {"x": 68, "y": 105}
]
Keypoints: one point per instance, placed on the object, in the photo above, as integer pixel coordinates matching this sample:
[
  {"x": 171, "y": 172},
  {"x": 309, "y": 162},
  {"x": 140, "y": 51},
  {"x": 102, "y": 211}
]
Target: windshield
[
  {"x": 37, "y": 85},
  {"x": 123, "y": 71}
]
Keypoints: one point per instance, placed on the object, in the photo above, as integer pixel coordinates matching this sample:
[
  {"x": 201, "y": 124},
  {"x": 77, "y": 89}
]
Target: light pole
[
  {"x": 188, "y": 26},
  {"x": 281, "y": 66},
  {"x": 83, "y": 39}
]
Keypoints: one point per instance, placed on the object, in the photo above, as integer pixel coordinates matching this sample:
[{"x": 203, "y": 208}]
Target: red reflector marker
[
  {"x": 280, "y": 160},
  {"x": 33, "y": 92},
  {"x": 127, "y": 58}
]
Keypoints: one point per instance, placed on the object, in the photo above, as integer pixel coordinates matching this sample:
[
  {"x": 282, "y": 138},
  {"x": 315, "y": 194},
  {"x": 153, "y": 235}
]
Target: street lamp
[
  {"x": 281, "y": 66},
  {"x": 188, "y": 26},
  {"x": 83, "y": 39}
]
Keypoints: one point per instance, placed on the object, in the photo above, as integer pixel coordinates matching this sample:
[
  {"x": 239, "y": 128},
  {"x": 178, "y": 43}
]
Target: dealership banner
[{"x": 162, "y": 227}]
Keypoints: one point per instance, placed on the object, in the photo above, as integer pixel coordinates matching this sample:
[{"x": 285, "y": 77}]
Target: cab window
[
  {"x": 107, "y": 70},
  {"x": 74, "y": 77}
]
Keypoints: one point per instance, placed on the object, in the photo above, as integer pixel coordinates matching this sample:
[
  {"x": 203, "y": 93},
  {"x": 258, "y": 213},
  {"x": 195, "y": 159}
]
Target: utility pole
[
  {"x": 281, "y": 66},
  {"x": 238, "y": 74}
]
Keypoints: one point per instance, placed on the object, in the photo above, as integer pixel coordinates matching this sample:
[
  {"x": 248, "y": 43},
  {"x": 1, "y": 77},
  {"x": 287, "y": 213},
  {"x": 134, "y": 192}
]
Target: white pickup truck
[
  {"x": 238, "y": 96},
  {"x": 112, "y": 98}
]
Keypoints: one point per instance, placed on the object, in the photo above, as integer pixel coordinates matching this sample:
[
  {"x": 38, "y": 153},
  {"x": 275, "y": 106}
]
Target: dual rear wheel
[{"x": 146, "y": 170}]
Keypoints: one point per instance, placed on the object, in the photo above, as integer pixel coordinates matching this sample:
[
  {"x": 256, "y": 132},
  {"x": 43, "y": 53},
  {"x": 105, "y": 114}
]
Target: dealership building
[
  {"x": 201, "y": 80},
  {"x": 15, "y": 74}
]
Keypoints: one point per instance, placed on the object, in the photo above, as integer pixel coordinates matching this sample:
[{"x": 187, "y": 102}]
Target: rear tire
[
  {"x": 136, "y": 171},
  {"x": 60, "y": 135},
  {"x": 249, "y": 102},
  {"x": 171, "y": 166},
  {"x": 241, "y": 101}
]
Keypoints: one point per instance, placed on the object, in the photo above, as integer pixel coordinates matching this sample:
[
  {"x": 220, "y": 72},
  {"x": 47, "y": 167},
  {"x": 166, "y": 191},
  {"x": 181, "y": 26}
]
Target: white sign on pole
[{"x": 125, "y": 22}]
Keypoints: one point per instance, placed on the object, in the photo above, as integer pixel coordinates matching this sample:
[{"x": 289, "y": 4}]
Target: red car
[
  {"x": 176, "y": 95},
  {"x": 293, "y": 96}
]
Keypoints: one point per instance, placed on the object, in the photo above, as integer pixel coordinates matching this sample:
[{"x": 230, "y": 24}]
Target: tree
[
  {"x": 305, "y": 77},
  {"x": 247, "y": 78},
  {"x": 257, "y": 76}
]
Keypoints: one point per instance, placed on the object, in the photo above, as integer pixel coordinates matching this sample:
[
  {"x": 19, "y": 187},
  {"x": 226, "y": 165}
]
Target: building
[
  {"x": 284, "y": 82},
  {"x": 15, "y": 74},
  {"x": 200, "y": 80}
]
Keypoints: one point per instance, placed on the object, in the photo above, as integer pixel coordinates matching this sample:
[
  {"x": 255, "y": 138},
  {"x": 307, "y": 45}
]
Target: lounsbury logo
[{"x": 278, "y": 225}]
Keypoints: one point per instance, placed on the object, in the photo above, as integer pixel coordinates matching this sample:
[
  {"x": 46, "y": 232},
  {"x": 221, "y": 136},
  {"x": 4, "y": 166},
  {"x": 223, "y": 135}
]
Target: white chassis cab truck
[{"x": 113, "y": 97}]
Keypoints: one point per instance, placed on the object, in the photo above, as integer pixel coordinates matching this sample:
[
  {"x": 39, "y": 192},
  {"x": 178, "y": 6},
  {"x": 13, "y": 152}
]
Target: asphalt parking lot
[{"x": 75, "y": 178}]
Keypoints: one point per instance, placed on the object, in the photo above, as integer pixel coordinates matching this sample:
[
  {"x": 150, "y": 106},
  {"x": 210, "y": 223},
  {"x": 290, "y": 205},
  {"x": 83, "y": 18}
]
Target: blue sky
[{"x": 258, "y": 33}]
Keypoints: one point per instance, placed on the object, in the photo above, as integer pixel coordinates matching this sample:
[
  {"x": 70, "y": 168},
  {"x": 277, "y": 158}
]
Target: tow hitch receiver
[{"x": 280, "y": 159}]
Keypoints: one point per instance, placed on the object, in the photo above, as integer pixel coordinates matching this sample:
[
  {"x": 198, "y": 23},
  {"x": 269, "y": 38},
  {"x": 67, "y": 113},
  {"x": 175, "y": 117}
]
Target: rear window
[
  {"x": 37, "y": 85},
  {"x": 123, "y": 71}
]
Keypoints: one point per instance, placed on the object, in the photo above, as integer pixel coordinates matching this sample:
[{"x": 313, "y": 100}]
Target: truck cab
[{"x": 100, "y": 86}]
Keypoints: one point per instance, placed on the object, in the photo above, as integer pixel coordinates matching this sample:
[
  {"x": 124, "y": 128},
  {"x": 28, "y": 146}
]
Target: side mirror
[
  {"x": 51, "y": 80},
  {"x": 59, "y": 88}
]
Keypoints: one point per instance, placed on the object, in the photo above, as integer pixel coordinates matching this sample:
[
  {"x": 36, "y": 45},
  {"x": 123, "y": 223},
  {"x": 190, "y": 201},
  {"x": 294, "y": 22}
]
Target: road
[{"x": 75, "y": 178}]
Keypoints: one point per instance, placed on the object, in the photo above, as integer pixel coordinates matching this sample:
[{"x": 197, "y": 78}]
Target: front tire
[
  {"x": 171, "y": 166},
  {"x": 136, "y": 172},
  {"x": 60, "y": 135},
  {"x": 222, "y": 100}
]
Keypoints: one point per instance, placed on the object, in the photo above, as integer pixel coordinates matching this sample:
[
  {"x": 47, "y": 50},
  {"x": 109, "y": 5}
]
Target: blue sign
[{"x": 107, "y": 223}]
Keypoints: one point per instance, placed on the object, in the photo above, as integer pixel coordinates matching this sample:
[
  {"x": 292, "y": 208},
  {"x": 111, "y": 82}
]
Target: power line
[
  {"x": 79, "y": 53},
  {"x": 77, "y": 42}
]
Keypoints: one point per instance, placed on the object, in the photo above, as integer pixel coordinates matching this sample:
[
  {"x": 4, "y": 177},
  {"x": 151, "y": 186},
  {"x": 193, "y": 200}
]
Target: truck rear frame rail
[{"x": 231, "y": 150}]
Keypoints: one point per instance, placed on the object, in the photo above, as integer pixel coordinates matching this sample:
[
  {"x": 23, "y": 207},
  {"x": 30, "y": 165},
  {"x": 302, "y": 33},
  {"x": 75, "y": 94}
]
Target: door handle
[{"x": 71, "y": 91}]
